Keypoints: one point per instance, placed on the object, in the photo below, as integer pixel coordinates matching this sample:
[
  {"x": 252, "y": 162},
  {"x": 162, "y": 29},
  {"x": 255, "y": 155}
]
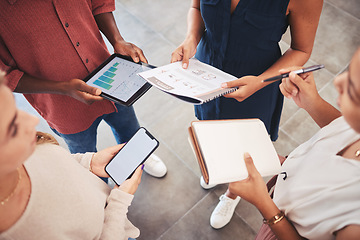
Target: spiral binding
[{"x": 221, "y": 94}]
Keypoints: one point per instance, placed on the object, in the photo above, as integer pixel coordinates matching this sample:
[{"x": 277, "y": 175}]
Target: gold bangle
[{"x": 275, "y": 219}]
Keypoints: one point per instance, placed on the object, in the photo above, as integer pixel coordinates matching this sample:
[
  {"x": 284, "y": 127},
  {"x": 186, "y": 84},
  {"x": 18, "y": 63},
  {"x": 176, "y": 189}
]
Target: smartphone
[{"x": 131, "y": 155}]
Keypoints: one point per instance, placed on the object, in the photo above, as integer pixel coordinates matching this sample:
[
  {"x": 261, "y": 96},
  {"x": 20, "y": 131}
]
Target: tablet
[{"x": 118, "y": 80}]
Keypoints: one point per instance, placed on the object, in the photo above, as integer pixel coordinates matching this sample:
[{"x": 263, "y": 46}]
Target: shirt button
[
  {"x": 87, "y": 60},
  {"x": 66, "y": 25},
  {"x": 77, "y": 44}
]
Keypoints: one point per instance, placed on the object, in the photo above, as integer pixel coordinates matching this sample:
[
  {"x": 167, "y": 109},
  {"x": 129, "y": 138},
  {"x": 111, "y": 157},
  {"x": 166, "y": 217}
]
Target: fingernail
[
  {"x": 142, "y": 167},
  {"x": 185, "y": 65},
  {"x": 246, "y": 155},
  {"x": 224, "y": 85},
  {"x": 294, "y": 93}
]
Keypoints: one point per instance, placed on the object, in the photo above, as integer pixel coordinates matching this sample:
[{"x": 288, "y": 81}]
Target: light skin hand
[
  {"x": 101, "y": 158},
  {"x": 78, "y": 89},
  {"x": 253, "y": 189},
  {"x": 301, "y": 88},
  {"x": 247, "y": 85},
  {"x": 128, "y": 49},
  {"x": 130, "y": 185},
  {"x": 184, "y": 52}
]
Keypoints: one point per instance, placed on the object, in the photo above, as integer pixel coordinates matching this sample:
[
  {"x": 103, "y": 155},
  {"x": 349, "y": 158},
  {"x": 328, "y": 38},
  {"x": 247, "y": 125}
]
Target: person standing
[
  {"x": 241, "y": 37},
  {"x": 47, "y": 47}
]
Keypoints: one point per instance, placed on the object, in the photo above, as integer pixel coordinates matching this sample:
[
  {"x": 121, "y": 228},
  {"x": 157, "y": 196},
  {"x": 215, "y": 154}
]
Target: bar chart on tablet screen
[{"x": 120, "y": 79}]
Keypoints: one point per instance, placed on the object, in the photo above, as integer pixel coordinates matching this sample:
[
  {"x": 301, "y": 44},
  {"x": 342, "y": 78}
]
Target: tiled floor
[{"x": 176, "y": 207}]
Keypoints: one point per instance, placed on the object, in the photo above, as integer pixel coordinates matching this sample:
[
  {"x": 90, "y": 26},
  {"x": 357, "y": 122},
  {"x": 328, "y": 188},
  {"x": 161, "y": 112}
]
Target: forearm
[
  {"x": 195, "y": 24},
  {"x": 290, "y": 58},
  {"x": 107, "y": 25},
  {"x": 84, "y": 159},
  {"x": 282, "y": 229},
  {"x": 322, "y": 112},
  {"x": 116, "y": 216},
  {"x": 29, "y": 84},
  {"x": 75, "y": 88}
]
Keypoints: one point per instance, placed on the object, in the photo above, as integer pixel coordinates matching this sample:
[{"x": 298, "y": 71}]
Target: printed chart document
[
  {"x": 197, "y": 84},
  {"x": 219, "y": 146}
]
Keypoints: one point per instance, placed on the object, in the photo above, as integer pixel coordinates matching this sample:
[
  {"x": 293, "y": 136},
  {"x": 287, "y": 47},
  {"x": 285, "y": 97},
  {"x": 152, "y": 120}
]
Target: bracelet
[{"x": 275, "y": 219}]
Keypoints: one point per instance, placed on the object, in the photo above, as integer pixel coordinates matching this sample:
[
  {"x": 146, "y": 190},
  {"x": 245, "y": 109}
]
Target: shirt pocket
[
  {"x": 265, "y": 27},
  {"x": 210, "y": 2},
  {"x": 212, "y": 14}
]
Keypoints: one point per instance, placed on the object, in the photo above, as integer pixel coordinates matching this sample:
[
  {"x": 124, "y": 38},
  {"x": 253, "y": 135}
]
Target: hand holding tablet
[{"x": 118, "y": 80}]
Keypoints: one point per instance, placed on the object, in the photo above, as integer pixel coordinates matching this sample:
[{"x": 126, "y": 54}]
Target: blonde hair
[{"x": 42, "y": 137}]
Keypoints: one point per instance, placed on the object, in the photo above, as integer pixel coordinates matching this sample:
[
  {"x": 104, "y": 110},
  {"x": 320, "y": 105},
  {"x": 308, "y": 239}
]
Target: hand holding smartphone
[{"x": 131, "y": 155}]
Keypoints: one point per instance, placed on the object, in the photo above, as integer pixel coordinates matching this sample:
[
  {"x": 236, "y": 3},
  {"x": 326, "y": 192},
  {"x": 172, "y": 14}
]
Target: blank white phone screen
[{"x": 130, "y": 156}]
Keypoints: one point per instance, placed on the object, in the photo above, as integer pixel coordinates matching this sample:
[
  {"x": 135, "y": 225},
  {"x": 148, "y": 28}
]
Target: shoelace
[{"x": 224, "y": 207}]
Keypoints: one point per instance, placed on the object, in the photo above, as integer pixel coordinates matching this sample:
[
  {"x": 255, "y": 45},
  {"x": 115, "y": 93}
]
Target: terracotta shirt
[{"x": 56, "y": 40}]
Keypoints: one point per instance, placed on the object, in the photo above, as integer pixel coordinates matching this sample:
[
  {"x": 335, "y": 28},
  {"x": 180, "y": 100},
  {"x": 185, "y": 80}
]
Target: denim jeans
[{"x": 123, "y": 124}]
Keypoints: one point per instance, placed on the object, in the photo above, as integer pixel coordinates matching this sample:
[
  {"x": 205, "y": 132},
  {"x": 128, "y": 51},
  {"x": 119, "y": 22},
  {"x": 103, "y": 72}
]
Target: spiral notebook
[
  {"x": 219, "y": 146},
  {"x": 197, "y": 84}
]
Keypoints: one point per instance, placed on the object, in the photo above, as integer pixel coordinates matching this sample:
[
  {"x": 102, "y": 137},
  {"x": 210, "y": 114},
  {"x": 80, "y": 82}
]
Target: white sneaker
[
  {"x": 223, "y": 211},
  {"x": 155, "y": 167},
  {"x": 204, "y": 185}
]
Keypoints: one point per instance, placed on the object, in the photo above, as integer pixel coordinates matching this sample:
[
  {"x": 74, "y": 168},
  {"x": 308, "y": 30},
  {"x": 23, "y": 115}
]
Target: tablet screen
[{"x": 118, "y": 78}]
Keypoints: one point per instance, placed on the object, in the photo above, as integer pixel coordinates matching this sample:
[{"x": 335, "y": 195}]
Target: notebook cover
[{"x": 198, "y": 155}]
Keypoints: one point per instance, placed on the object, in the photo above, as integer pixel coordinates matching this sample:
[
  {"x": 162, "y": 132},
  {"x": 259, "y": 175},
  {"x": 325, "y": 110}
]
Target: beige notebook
[{"x": 219, "y": 146}]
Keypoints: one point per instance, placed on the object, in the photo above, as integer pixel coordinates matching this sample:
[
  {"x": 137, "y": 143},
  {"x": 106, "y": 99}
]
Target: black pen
[{"x": 303, "y": 70}]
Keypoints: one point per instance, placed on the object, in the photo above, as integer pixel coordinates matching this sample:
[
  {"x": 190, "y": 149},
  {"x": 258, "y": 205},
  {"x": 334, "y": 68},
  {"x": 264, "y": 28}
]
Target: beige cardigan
[{"x": 69, "y": 202}]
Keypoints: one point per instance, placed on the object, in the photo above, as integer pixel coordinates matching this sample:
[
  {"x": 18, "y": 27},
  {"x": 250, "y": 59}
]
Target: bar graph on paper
[{"x": 120, "y": 79}]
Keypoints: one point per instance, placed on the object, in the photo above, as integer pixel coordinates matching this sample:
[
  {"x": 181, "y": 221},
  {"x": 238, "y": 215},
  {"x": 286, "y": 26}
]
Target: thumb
[
  {"x": 89, "y": 89},
  {"x": 250, "y": 165},
  {"x": 115, "y": 149},
  {"x": 235, "y": 83},
  {"x": 138, "y": 172},
  {"x": 185, "y": 61}
]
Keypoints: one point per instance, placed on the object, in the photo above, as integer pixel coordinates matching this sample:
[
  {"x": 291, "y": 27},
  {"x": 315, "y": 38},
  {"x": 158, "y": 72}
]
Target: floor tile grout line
[
  {"x": 246, "y": 222},
  {"x": 190, "y": 209},
  {"x": 145, "y": 24},
  {"x": 342, "y": 10},
  {"x": 162, "y": 141},
  {"x": 178, "y": 157},
  {"x": 289, "y": 135}
]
